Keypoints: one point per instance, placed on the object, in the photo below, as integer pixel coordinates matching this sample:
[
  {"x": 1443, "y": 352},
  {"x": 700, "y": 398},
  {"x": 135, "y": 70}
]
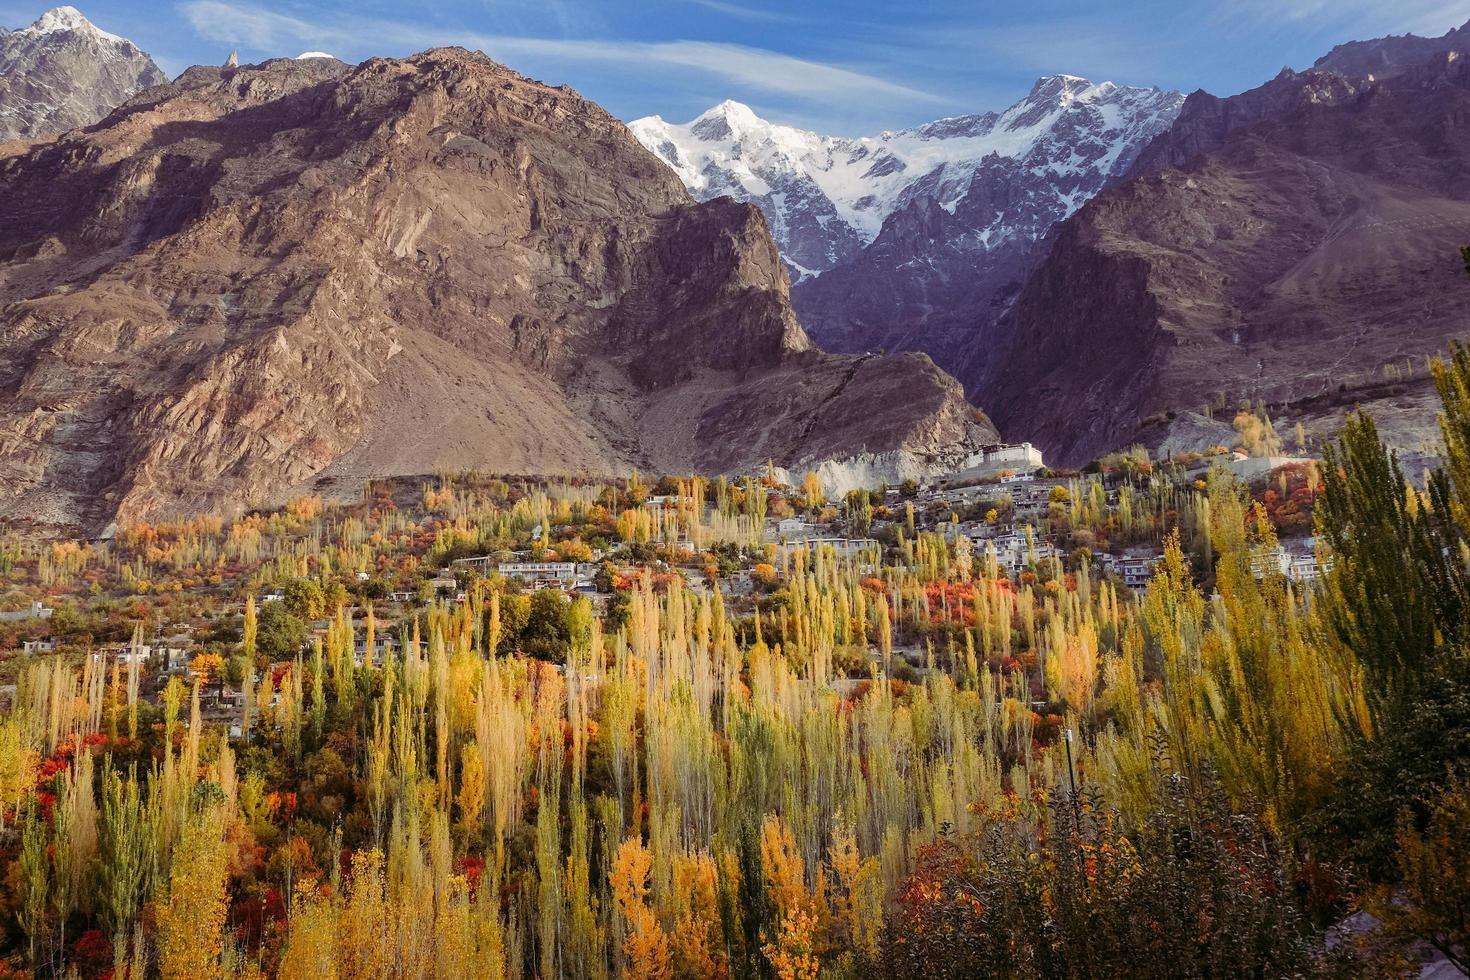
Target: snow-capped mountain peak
[
  {"x": 827, "y": 197},
  {"x": 729, "y": 118},
  {"x": 63, "y": 72},
  {"x": 1061, "y": 87},
  {"x": 62, "y": 19}
]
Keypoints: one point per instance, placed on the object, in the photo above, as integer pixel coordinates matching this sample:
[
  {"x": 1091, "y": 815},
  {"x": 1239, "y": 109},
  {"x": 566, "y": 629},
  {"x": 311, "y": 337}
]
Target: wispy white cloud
[
  {"x": 257, "y": 27},
  {"x": 755, "y": 68},
  {"x": 744, "y": 11},
  {"x": 1098, "y": 48},
  {"x": 265, "y": 30},
  {"x": 1362, "y": 18}
]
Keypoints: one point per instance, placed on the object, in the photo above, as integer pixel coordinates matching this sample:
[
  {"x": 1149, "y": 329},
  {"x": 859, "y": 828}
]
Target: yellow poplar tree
[{"x": 192, "y": 916}]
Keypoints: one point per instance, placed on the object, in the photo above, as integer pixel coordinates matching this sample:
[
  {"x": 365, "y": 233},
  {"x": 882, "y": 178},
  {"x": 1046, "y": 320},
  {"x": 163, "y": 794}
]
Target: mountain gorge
[
  {"x": 296, "y": 275},
  {"x": 63, "y": 72},
  {"x": 896, "y": 240}
]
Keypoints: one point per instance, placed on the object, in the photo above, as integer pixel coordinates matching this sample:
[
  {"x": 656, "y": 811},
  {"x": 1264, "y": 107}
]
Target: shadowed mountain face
[
  {"x": 1296, "y": 244},
  {"x": 62, "y": 72},
  {"x": 300, "y": 274},
  {"x": 1386, "y": 56}
]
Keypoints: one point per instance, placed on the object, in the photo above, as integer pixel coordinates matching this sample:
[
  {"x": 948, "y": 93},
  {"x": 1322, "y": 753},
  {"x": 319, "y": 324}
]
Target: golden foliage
[
  {"x": 192, "y": 916},
  {"x": 646, "y": 947}
]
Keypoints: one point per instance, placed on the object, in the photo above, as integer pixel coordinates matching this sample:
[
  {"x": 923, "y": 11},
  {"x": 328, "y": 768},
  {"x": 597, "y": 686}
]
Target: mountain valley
[
  {"x": 1094, "y": 266},
  {"x": 895, "y": 241}
]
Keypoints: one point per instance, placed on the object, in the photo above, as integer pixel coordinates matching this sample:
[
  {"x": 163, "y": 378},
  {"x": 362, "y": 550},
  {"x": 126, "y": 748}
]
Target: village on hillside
[{"x": 148, "y": 608}]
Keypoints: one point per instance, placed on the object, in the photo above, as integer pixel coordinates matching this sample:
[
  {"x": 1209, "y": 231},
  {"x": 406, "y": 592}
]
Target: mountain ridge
[
  {"x": 1387, "y": 56},
  {"x": 1295, "y": 245},
  {"x": 863, "y": 180},
  {"x": 292, "y": 276}
]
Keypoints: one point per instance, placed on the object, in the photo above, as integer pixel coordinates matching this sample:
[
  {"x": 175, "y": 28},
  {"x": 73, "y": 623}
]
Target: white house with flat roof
[{"x": 37, "y": 610}]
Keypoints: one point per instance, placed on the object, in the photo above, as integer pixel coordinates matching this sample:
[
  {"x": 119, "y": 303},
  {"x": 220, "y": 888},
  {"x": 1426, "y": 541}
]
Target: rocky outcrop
[
  {"x": 266, "y": 279},
  {"x": 710, "y": 287},
  {"x": 63, "y": 72},
  {"x": 1306, "y": 255}
]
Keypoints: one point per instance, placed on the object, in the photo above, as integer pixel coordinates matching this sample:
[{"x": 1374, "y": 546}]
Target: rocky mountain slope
[
  {"x": 295, "y": 275},
  {"x": 63, "y": 72},
  {"x": 896, "y": 239},
  {"x": 1297, "y": 244},
  {"x": 1387, "y": 56}
]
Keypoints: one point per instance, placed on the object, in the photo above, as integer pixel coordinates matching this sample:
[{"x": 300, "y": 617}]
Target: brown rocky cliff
[
  {"x": 710, "y": 291},
  {"x": 1207, "y": 121},
  {"x": 1085, "y": 335},
  {"x": 299, "y": 274}
]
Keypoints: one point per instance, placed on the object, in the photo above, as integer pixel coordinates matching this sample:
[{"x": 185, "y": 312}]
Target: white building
[
  {"x": 793, "y": 528},
  {"x": 983, "y": 531},
  {"x": 1015, "y": 550},
  {"x": 1137, "y": 570},
  {"x": 1305, "y": 570},
  {"x": 1301, "y": 567},
  {"x": 480, "y": 563},
  {"x": 382, "y": 646},
  {"x": 844, "y": 547},
  {"x": 559, "y": 572},
  {"x": 37, "y": 610},
  {"x": 1265, "y": 563},
  {"x": 1020, "y": 456},
  {"x": 177, "y": 651},
  {"x": 125, "y": 653}
]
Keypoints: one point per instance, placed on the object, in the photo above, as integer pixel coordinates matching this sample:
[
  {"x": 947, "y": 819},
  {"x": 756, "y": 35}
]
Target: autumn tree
[
  {"x": 1396, "y": 601},
  {"x": 1258, "y": 436},
  {"x": 191, "y": 915},
  {"x": 647, "y": 946}
]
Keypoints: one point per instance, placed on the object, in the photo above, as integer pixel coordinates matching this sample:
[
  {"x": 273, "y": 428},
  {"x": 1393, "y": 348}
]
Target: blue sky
[{"x": 852, "y": 67}]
